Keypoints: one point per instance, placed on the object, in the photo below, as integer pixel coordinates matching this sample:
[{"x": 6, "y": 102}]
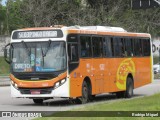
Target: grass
[
  {"x": 149, "y": 103},
  {"x": 156, "y": 59},
  {"x": 4, "y": 67}
]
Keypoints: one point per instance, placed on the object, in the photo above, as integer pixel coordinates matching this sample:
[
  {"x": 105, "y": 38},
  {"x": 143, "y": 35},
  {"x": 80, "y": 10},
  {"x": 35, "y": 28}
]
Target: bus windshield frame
[{"x": 38, "y": 57}]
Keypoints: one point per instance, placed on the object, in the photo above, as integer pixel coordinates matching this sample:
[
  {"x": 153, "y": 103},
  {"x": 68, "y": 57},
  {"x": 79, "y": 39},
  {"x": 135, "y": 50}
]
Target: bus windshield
[{"x": 46, "y": 56}]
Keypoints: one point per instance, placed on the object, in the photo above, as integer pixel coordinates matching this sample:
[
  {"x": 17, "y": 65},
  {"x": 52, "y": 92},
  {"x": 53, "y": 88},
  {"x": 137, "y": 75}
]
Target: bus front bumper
[{"x": 61, "y": 91}]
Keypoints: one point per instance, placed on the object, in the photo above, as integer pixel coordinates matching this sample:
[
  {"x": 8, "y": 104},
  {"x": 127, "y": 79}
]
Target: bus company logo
[
  {"x": 102, "y": 66},
  {"x": 6, "y": 114},
  {"x": 20, "y": 114},
  {"x": 88, "y": 66},
  {"x": 125, "y": 67}
]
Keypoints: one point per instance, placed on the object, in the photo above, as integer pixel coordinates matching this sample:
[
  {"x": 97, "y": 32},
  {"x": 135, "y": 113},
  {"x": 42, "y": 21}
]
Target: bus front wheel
[
  {"x": 38, "y": 101},
  {"x": 85, "y": 94}
]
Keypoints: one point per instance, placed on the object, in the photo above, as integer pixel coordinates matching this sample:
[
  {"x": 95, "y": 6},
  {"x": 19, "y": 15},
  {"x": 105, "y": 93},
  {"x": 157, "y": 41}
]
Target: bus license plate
[{"x": 35, "y": 92}]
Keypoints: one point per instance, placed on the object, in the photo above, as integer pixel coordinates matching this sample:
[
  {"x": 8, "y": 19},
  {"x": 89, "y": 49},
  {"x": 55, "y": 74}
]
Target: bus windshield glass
[{"x": 46, "y": 56}]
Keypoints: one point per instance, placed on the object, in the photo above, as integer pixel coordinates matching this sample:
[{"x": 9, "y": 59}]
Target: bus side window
[
  {"x": 107, "y": 51},
  {"x": 132, "y": 47},
  {"x": 97, "y": 46},
  {"x": 122, "y": 46},
  {"x": 112, "y": 47},
  {"x": 117, "y": 47},
  {"x": 129, "y": 47},
  {"x": 138, "y": 47},
  {"x": 146, "y": 47},
  {"x": 86, "y": 50}
]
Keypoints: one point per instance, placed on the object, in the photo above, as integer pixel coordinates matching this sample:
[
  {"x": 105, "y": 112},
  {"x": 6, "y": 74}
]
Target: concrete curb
[{"x": 4, "y": 81}]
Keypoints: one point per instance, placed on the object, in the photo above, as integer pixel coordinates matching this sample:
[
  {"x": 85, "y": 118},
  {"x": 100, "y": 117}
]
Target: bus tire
[
  {"x": 129, "y": 88},
  {"x": 85, "y": 94},
  {"x": 38, "y": 101}
]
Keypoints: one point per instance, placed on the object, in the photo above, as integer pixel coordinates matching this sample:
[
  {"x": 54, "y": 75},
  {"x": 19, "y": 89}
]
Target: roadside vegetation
[
  {"x": 148, "y": 103},
  {"x": 156, "y": 59},
  {"x": 39, "y": 13},
  {"x": 4, "y": 67}
]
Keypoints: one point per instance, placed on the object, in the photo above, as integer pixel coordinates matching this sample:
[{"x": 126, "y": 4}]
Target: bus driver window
[{"x": 73, "y": 52}]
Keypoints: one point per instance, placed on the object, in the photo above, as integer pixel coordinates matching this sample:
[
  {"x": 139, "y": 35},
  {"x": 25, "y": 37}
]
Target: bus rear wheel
[
  {"x": 129, "y": 88},
  {"x": 38, "y": 101}
]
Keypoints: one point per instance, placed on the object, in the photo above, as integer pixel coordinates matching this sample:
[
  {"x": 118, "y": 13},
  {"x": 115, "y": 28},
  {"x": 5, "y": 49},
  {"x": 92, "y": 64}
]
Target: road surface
[{"x": 20, "y": 104}]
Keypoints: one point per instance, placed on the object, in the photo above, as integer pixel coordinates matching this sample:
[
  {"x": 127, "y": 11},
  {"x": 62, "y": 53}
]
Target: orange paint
[
  {"x": 110, "y": 79},
  {"x": 106, "y": 74},
  {"x": 38, "y": 84},
  {"x": 104, "y": 81},
  {"x": 109, "y": 33}
]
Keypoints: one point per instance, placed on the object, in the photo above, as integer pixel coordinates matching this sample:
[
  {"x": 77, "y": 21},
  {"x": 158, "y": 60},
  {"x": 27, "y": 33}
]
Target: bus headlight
[
  {"x": 14, "y": 85},
  {"x": 59, "y": 83},
  {"x": 63, "y": 81},
  {"x": 12, "y": 82}
]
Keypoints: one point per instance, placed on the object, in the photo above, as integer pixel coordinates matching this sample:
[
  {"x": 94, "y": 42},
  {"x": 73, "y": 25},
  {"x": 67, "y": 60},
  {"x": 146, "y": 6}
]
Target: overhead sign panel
[{"x": 37, "y": 34}]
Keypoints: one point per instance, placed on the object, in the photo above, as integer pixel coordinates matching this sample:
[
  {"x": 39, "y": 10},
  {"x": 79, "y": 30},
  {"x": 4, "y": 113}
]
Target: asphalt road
[{"x": 20, "y": 104}]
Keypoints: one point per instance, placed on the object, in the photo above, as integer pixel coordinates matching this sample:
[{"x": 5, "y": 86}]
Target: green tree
[
  {"x": 49, "y": 12},
  {"x": 14, "y": 18},
  {"x": 39, "y": 13},
  {"x": 119, "y": 13},
  {"x": 2, "y": 19}
]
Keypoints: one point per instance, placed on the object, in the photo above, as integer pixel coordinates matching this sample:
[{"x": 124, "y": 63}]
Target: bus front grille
[{"x": 36, "y": 90}]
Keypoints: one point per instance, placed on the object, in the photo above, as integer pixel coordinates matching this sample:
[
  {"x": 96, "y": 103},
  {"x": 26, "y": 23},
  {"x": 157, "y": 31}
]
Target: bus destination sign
[{"x": 37, "y": 34}]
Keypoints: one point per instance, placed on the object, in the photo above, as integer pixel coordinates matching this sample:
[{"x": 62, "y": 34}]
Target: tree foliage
[
  {"x": 39, "y": 13},
  {"x": 2, "y": 19}
]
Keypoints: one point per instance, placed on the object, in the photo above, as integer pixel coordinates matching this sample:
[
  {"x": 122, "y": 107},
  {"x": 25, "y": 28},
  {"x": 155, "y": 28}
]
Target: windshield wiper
[
  {"x": 44, "y": 54},
  {"x": 26, "y": 47},
  {"x": 49, "y": 45}
]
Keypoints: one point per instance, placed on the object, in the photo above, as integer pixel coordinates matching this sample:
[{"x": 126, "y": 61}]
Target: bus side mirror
[{"x": 7, "y": 53}]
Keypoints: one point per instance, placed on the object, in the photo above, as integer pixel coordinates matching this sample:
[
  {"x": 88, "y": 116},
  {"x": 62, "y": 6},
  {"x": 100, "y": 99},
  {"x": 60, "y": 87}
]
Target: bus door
[
  {"x": 73, "y": 52},
  {"x": 73, "y": 63},
  {"x": 86, "y": 65},
  {"x": 98, "y": 63}
]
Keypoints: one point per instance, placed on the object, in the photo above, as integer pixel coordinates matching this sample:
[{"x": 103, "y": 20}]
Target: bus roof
[{"x": 101, "y": 30}]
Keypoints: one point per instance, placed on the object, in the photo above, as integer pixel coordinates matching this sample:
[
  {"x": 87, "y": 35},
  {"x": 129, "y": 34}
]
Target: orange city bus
[{"x": 77, "y": 62}]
